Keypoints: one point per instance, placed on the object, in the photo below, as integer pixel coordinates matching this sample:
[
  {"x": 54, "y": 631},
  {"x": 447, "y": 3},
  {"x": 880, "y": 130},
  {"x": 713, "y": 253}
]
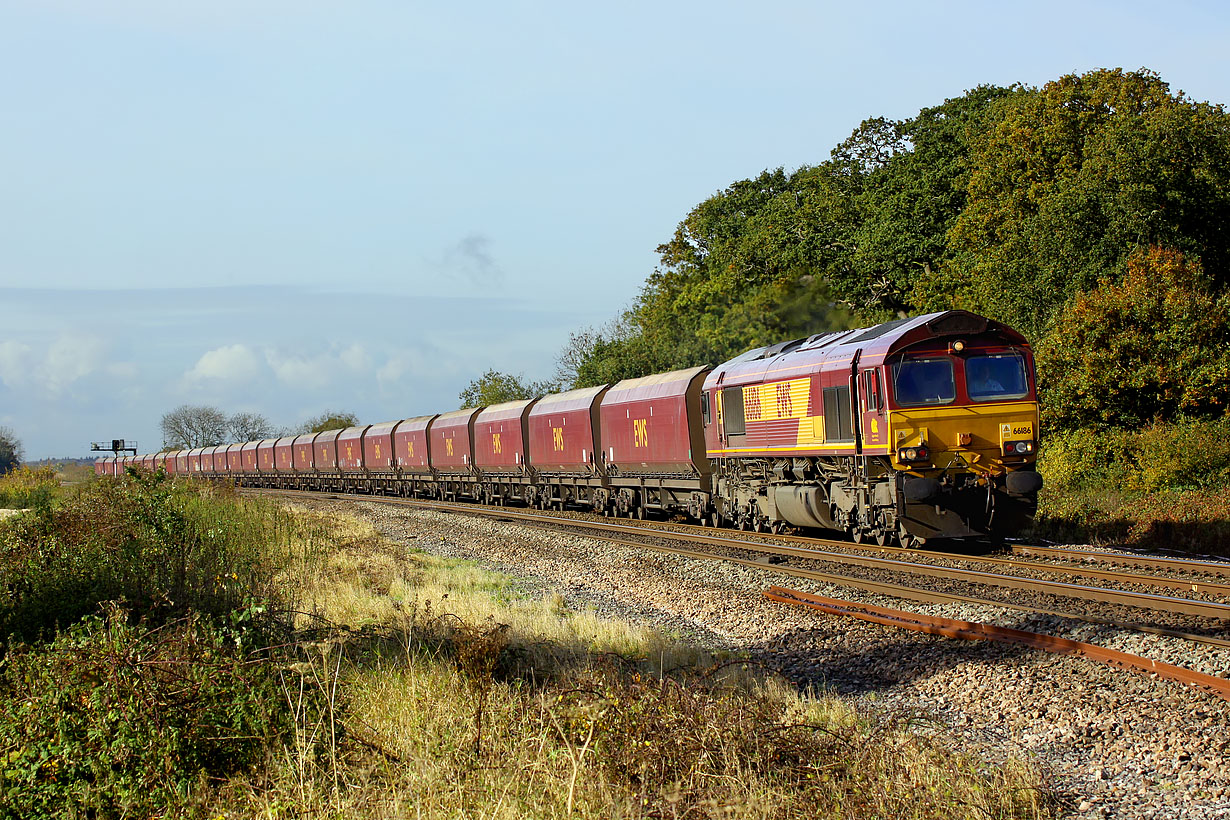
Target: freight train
[{"x": 911, "y": 430}]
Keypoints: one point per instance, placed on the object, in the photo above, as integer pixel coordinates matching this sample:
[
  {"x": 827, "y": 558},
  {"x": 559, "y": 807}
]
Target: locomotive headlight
[
  {"x": 1018, "y": 448},
  {"x": 911, "y": 454}
]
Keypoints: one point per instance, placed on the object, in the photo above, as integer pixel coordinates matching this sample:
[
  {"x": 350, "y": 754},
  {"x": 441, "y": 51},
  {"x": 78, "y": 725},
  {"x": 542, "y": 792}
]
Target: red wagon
[
  {"x": 653, "y": 443},
  {"x": 563, "y": 443}
]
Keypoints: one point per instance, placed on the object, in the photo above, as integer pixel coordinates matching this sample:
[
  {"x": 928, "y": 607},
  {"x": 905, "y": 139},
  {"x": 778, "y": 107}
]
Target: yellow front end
[{"x": 971, "y": 438}]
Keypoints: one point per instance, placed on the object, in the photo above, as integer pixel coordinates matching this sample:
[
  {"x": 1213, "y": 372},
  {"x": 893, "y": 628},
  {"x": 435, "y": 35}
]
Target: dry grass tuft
[{"x": 446, "y": 695}]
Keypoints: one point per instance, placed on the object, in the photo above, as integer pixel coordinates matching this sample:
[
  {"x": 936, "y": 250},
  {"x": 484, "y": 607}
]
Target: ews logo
[
  {"x": 557, "y": 437},
  {"x": 640, "y": 432},
  {"x": 495, "y": 443},
  {"x": 783, "y": 400},
  {"x": 448, "y": 447}
]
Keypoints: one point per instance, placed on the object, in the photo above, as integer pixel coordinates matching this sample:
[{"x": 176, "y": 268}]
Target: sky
[{"x": 286, "y": 207}]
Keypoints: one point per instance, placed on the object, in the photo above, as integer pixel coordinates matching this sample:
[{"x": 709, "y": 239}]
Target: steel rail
[
  {"x": 1221, "y": 568},
  {"x": 1176, "y": 564},
  {"x": 1100, "y": 594},
  {"x": 922, "y": 595},
  {"x": 1163, "y": 603},
  {"x": 967, "y": 630},
  {"x": 1212, "y": 588},
  {"x": 1218, "y": 568}
]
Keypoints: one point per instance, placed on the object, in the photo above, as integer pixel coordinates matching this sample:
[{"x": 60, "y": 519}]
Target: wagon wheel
[
  {"x": 759, "y": 526},
  {"x": 881, "y": 536},
  {"x": 640, "y": 512},
  {"x": 856, "y": 534},
  {"x": 776, "y": 527},
  {"x": 907, "y": 539}
]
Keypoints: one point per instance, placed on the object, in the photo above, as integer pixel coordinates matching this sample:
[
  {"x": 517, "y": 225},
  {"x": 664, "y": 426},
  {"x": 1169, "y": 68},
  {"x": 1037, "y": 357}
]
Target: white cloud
[
  {"x": 321, "y": 369},
  {"x": 233, "y": 363},
  {"x": 68, "y": 359},
  {"x": 122, "y": 370},
  {"x": 16, "y": 363}
]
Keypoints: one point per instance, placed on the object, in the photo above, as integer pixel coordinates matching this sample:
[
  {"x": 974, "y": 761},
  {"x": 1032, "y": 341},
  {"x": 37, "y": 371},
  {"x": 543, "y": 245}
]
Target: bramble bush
[
  {"x": 1179, "y": 455},
  {"x": 163, "y": 546},
  {"x": 116, "y": 720},
  {"x": 135, "y": 712}
]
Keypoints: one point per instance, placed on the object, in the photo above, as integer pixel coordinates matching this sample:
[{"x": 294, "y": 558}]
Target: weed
[{"x": 111, "y": 719}]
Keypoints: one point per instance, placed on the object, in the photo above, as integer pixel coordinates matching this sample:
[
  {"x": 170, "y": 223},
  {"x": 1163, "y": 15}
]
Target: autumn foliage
[{"x": 1153, "y": 345}]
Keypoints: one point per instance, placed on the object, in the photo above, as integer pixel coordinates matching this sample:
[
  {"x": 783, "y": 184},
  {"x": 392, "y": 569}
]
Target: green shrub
[
  {"x": 111, "y": 720},
  {"x": 26, "y": 488},
  {"x": 1173, "y": 455},
  {"x": 161, "y": 545},
  {"x": 1166, "y": 486},
  {"x": 1183, "y": 454}
]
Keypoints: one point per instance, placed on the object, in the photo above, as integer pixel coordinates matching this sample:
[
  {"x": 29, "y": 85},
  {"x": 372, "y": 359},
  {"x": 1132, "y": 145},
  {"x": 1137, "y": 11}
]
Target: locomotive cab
[
  {"x": 963, "y": 419},
  {"x": 910, "y": 430}
]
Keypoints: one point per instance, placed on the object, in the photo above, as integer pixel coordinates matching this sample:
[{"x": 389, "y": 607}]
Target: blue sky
[{"x": 284, "y": 207}]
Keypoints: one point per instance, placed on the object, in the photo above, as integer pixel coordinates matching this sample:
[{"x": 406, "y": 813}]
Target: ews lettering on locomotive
[
  {"x": 783, "y": 400},
  {"x": 640, "y": 432},
  {"x": 751, "y": 404}
]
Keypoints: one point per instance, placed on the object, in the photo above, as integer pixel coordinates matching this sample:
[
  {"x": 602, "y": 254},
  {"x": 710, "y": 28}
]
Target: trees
[
  {"x": 330, "y": 420},
  {"x": 249, "y": 427},
  {"x": 1073, "y": 178},
  {"x": 10, "y": 450},
  {"x": 911, "y": 183},
  {"x": 751, "y": 265},
  {"x": 189, "y": 426},
  {"x": 1153, "y": 345},
  {"x": 494, "y": 387}
]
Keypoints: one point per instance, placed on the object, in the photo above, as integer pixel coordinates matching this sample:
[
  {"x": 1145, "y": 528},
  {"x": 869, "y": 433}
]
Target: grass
[
  {"x": 364, "y": 679},
  {"x": 463, "y": 699}
]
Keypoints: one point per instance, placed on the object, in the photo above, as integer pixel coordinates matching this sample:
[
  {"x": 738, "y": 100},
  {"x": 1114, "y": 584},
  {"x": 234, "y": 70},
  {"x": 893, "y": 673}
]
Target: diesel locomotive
[{"x": 911, "y": 430}]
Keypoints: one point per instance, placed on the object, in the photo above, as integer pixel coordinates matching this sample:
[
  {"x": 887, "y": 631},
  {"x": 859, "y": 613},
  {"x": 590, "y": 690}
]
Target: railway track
[{"x": 1205, "y": 620}]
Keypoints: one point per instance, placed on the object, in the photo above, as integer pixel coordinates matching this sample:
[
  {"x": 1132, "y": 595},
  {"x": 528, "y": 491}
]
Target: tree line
[
  {"x": 1088, "y": 213},
  {"x": 189, "y": 426}
]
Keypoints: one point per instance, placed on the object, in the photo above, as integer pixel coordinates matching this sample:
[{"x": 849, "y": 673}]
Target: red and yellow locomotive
[{"x": 913, "y": 429}]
